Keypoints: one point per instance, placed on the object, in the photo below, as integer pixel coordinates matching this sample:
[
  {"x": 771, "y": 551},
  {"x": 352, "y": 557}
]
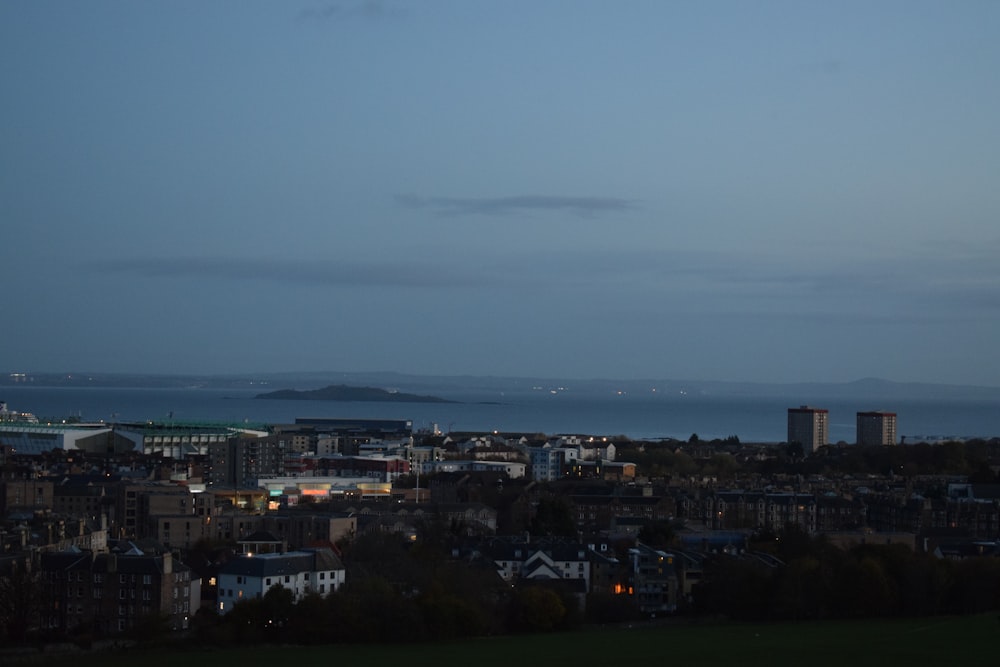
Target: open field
[{"x": 935, "y": 641}]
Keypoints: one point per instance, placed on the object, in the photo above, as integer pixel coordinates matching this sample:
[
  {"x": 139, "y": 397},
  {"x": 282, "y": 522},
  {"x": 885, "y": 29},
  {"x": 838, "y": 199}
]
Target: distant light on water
[{"x": 641, "y": 415}]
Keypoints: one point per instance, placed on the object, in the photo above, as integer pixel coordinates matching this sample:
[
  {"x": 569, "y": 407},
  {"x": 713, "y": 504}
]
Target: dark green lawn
[{"x": 967, "y": 640}]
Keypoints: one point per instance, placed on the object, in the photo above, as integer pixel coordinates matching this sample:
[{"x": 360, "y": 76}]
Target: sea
[{"x": 644, "y": 416}]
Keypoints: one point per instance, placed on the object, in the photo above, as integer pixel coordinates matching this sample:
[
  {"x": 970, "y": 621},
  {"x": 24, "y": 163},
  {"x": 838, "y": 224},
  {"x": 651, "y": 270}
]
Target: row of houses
[
  {"x": 84, "y": 510},
  {"x": 114, "y": 591}
]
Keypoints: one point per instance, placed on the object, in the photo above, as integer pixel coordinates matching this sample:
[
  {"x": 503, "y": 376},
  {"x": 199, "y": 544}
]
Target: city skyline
[{"x": 776, "y": 192}]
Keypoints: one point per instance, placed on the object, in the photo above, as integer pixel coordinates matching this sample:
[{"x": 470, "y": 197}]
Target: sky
[{"x": 754, "y": 190}]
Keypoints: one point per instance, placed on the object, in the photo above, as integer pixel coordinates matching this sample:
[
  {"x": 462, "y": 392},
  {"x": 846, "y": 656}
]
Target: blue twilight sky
[{"x": 775, "y": 191}]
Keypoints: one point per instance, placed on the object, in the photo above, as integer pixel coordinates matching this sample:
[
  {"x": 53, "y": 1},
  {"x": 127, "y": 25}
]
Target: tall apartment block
[
  {"x": 876, "y": 428},
  {"x": 809, "y": 427}
]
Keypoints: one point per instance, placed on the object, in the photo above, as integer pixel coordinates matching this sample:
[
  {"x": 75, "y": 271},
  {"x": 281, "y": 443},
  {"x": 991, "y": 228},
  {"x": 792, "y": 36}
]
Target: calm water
[{"x": 760, "y": 419}]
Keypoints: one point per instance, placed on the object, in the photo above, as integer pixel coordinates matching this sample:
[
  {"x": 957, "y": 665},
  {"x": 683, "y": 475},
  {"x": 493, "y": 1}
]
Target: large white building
[
  {"x": 302, "y": 572},
  {"x": 35, "y": 438}
]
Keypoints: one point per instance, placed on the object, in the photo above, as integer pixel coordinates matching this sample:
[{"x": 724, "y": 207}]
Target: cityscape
[
  {"x": 489, "y": 332},
  {"x": 115, "y": 524}
]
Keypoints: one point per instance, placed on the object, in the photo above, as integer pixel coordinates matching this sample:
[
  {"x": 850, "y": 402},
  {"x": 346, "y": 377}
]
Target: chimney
[{"x": 168, "y": 563}]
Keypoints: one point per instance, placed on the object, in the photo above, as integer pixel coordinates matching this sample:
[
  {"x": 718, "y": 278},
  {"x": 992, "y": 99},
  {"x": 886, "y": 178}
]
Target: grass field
[{"x": 937, "y": 641}]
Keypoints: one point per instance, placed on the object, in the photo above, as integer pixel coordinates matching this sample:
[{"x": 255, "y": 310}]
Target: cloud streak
[
  {"x": 504, "y": 206},
  {"x": 334, "y": 272},
  {"x": 944, "y": 289}
]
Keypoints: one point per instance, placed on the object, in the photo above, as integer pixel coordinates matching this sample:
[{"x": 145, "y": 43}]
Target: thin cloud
[
  {"x": 335, "y": 272},
  {"x": 498, "y": 206}
]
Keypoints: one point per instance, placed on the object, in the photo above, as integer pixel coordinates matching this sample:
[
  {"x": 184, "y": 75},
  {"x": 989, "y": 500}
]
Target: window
[
  {"x": 322, "y": 575},
  {"x": 147, "y": 579}
]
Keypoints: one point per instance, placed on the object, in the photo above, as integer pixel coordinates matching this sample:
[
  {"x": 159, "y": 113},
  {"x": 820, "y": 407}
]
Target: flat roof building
[
  {"x": 809, "y": 427},
  {"x": 877, "y": 427}
]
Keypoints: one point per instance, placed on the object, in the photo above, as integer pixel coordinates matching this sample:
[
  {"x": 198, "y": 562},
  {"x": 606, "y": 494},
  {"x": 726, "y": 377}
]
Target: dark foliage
[{"x": 819, "y": 581}]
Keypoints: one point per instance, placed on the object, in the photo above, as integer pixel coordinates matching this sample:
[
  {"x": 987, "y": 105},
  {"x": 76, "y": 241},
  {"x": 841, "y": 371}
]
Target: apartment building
[
  {"x": 877, "y": 427},
  {"x": 809, "y": 427},
  {"x": 114, "y": 592},
  {"x": 301, "y": 572}
]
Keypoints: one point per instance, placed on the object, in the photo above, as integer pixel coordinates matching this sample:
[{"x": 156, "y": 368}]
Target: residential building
[
  {"x": 876, "y": 428},
  {"x": 809, "y": 427},
  {"x": 547, "y": 463},
  {"x": 540, "y": 561},
  {"x": 240, "y": 462},
  {"x": 652, "y": 582},
  {"x": 114, "y": 592},
  {"x": 302, "y": 572},
  {"x": 25, "y": 493}
]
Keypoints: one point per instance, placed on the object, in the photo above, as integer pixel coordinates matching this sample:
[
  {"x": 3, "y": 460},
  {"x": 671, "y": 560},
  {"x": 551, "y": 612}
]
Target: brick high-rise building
[
  {"x": 810, "y": 427},
  {"x": 876, "y": 428}
]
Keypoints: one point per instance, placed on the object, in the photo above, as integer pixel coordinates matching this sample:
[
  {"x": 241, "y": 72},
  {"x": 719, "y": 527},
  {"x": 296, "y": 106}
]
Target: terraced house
[{"x": 114, "y": 592}]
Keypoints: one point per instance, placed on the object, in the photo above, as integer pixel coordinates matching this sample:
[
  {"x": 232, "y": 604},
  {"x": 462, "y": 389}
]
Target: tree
[
  {"x": 553, "y": 517},
  {"x": 535, "y": 609},
  {"x": 657, "y": 534}
]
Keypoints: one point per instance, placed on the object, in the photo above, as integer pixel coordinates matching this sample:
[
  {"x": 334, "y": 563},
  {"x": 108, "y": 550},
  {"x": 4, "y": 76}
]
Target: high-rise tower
[
  {"x": 876, "y": 428},
  {"x": 810, "y": 427}
]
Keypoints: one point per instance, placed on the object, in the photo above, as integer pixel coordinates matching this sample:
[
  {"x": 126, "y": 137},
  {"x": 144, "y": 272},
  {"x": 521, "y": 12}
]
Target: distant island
[{"x": 343, "y": 392}]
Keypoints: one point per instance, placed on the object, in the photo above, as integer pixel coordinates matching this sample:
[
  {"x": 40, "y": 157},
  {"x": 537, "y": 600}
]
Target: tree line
[{"x": 821, "y": 581}]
